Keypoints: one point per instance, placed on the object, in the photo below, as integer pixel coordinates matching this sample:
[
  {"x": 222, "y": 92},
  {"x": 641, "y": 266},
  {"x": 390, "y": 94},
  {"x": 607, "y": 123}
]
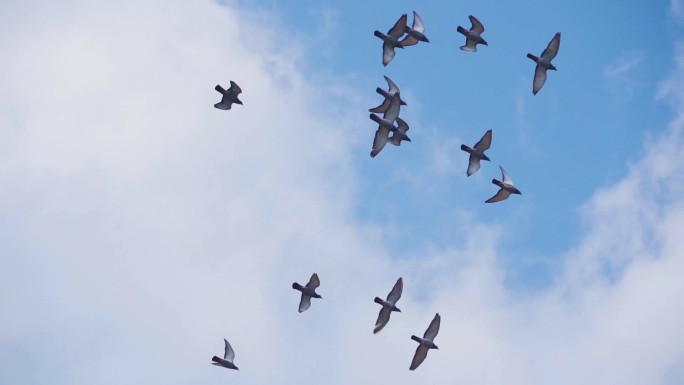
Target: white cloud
[{"x": 140, "y": 226}]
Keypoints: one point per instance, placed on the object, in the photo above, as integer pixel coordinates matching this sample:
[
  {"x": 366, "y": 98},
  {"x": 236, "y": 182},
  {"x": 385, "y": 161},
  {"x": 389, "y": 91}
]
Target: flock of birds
[{"x": 386, "y": 125}]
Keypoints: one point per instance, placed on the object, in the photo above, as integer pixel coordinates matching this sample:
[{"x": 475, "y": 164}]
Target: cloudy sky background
[{"x": 139, "y": 225}]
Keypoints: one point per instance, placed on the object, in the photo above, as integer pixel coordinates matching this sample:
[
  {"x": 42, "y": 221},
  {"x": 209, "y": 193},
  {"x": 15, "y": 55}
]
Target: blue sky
[{"x": 139, "y": 226}]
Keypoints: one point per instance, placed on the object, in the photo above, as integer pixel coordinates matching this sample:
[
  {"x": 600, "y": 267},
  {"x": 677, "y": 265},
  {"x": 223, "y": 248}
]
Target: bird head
[
  {"x": 485, "y": 157},
  {"x": 517, "y": 192},
  {"x": 485, "y": 42},
  {"x": 552, "y": 68}
]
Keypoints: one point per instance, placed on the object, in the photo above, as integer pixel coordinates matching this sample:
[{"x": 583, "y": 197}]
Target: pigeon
[
  {"x": 388, "y": 306},
  {"x": 229, "y": 97},
  {"x": 385, "y": 125},
  {"x": 506, "y": 189},
  {"x": 391, "y": 40},
  {"x": 477, "y": 153},
  {"x": 415, "y": 33},
  {"x": 425, "y": 343},
  {"x": 308, "y": 291},
  {"x": 399, "y": 133},
  {"x": 473, "y": 37},
  {"x": 544, "y": 63},
  {"x": 228, "y": 357},
  {"x": 393, "y": 89}
]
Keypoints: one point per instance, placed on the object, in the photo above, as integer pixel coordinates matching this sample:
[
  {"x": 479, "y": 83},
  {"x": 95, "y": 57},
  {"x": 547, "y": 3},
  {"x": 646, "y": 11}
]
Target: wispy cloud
[{"x": 624, "y": 65}]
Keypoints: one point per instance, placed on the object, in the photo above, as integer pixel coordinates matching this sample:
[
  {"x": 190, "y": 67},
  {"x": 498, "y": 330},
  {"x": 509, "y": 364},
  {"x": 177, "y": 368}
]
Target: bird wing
[
  {"x": 500, "y": 196},
  {"x": 314, "y": 282},
  {"x": 229, "y": 354},
  {"x": 387, "y": 53},
  {"x": 234, "y": 88},
  {"x": 408, "y": 41},
  {"x": 399, "y": 27},
  {"x": 383, "y": 319},
  {"x": 392, "y": 87},
  {"x": 470, "y": 46},
  {"x": 477, "y": 26},
  {"x": 382, "y": 107},
  {"x": 552, "y": 49},
  {"x": 402, "y": 125},
  {"x": 473, "y": 165},
  {"x": 505, "y": 178},
  {"x": 395, "y": 294},
  {"x": 539, "y": 79},
  {"x": 393, "y": 111},
  {"x": 433, "y": 329},
  {"x": 419, "y": 357},
  {"x": 379, "y": 141},
  {"x": 418, "y": 23},
  {"x": 484, "y": 142},
  {"x": 304, "y": 303}
]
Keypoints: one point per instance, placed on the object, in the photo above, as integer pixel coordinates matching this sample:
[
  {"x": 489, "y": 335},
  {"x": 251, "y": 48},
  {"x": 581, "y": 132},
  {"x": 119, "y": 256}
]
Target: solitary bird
[
  {"x": 415, "y": 33},
  {"x": 473, "y": 37},
  {"x": 426, "y": 343},
  {"x": 544, "y": 63},
  {"x": 388, "y": 306},
  {"x": 399, "y": 133},
  {"x": 391, "y": 40},
  {"x": 308, "y": 291},
  {"x": 228, "y": 357},
  {"x": 393, "y": 89},
  {"x": 385, "y": 125},
  {"x": 477, "y": 153},
  {"x": 506, "y": 188},
  {"x": 229, "y": 97}
]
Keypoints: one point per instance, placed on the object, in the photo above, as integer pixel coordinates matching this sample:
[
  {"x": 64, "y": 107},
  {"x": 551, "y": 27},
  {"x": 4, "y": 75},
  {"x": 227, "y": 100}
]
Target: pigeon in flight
[
  {"x": 477, "y": 153},
  {"x": 393, "y": 89},
  {"x": 228, "y": 357},
  {"x": 544, "y": 63},
  {"x": 399, "y": 133},
  {"x": 426, "y": 343},
  {"x": 391, "y": 40},
  {"x": 308, "y": 291},
  {"x": 385, "y": 125},
  {"x": 506, "y": 189},
  {"x": 415, "y": 33},
  {"x": 229, "y": 97},
  {"x": 473, "y": 37},
  {"x": 388, "y": 306}
]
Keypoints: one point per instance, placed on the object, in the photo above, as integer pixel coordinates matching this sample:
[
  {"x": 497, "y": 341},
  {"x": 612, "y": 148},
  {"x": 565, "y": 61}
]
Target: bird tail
[
  {"x": 215, "y": 359},
  {"x": 375, "y": 118},
  {"x": 220, "y": 89},
  {"x": 534, "y": 58},
  {"x": 378, "y": 34},
  {"x": 415, "y": 339},
  {"x": 462, "y": 30},
  {"x": 378, "y": 300},
  {"x": 382, "y": 92},
  {"x": 297, "y": 286},
  {"x": 496, "y": 182},
  {"x": 465, "y": 148}
]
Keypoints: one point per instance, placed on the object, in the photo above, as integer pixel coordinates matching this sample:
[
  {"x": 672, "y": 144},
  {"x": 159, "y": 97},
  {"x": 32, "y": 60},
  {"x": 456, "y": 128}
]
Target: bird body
[
  {"x": 389, "y": 305},
  {"x": 473, "y": 35},
  {"x": 390, "y": 41},
  {"x": 229, "y": 96},
  {"x": 477, "y": 153},
  {"x": 228, "y": 357},
  {"x": 426, "y": 343},
  {"x": 388, "y": 95},
  {"x": 544, "y": 63},
  {"x": 308, "y": 292},
  {"x": 506, "y": 188},
  {"x": 415, "y": 33}
]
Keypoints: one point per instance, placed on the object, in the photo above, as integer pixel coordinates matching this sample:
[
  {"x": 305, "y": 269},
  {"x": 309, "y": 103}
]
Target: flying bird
[
  {"x": 388, "y": 306},
  {"x": 544, "y": 63},
  {"x": 228, "y": 357},
  {"x": 506, "y": 188},
  {"x": 477, "y": 153},
  {"x": 415, "y": 33},
  {"x": 391, "y": 40},
  {"x": 426, "y": 343},
  {"x": 399, "y": 133},
  {"x": 308, "y": 291},
  {"x": 229, "y": 97},
  {"x": 473, "y": 37},
  {"x": 385, "y": 125},
  {"x": 393, "y": 89}
]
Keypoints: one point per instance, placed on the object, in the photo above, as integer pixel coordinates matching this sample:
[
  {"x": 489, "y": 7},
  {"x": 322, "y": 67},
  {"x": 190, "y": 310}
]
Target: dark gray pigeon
[
  {"x": 391, "y": 40},
  {"x": 477, "y": 153},
  {"x": 506, "y": 188},
  {"x": 393, "y": 89},
  {"x": 385, "y": 125},
  {"x": 544, "y": 63},
  {"x": 473, "y": 37},
  {"x": 388, "y": 306},
  {"x": 415, "y": 33},
  {"x": 399, "y": 133},
  {"x": 229, "y": 97},
  {"x": 308, "y": 291},
  {"x": 426, "y": 343},
  {"x": 228, "y": 357}
]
